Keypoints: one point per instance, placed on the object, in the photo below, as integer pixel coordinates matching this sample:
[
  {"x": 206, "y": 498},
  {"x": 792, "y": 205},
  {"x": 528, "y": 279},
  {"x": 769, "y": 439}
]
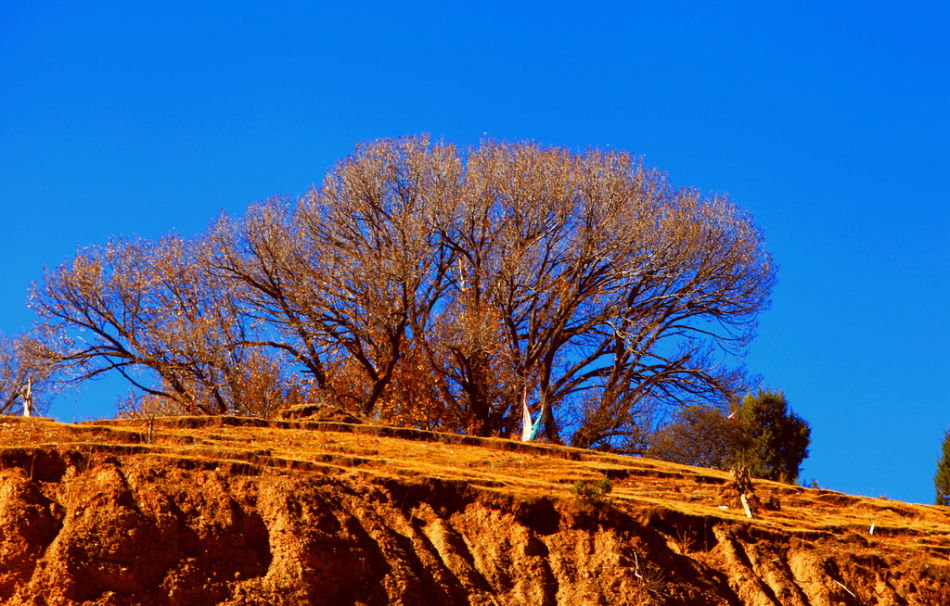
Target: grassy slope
[{"x": 527, "y": 470}]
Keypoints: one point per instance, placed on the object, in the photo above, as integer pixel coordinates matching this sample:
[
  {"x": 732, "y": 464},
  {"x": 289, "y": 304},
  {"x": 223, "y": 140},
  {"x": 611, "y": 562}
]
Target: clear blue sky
[{"x": 831, "y": 123}]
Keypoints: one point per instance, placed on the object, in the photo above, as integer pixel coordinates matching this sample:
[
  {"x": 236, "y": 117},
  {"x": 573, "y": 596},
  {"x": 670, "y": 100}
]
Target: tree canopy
[
  {"x": 772, "y": 439},
  {"x": 437, "y": 287}
]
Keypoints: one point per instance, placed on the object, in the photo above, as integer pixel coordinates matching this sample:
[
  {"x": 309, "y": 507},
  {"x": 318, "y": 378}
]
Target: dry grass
[{"x": 522, "y": 470}]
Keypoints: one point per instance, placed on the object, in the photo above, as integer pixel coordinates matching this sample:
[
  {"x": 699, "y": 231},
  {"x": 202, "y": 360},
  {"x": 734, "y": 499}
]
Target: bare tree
[
  {"x": 151, "y": 312},
  {"x": 469, "y": 350},
  {"x": 585, "y": 283},
  {"x": 606, "y": 281},
  {"x": 262, "y": 256},
  {"x": 692, "y": 298},
  {"x": 375, "y": 268},
  {"x": 584, "y": 280},
  {"x": 350, "y": 277}
]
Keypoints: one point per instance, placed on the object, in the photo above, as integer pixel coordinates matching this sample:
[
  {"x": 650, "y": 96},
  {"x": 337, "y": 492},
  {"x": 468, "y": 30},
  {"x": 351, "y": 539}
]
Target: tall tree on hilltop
[
  {"x": 612, "y": 289},
  {"x": 376, "y": 268},
  {"x": 584, "y": 283},
  {"x": 262, "y": 257},
  {"x": 772, "y": 440}
]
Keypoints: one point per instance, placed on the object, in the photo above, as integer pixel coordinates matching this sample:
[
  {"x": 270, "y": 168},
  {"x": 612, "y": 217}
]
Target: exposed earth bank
[{"x": 96, "y": 522}]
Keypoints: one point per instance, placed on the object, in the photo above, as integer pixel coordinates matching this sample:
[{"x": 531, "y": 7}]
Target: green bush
[
  {"x": 942, "y": 477},
  {"x": 771, "y": 439},
  {"x": 592, "y": 492}
]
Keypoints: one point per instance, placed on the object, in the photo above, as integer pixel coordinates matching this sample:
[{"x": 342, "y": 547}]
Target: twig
[{"x": 845, "y": 588}]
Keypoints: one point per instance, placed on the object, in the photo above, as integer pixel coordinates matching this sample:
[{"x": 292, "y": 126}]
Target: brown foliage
[
  {"x": 263, "y": 258},
  {"x": 373, "y": 267},
  {"x": 152, "y": 312},
  {"x": 698, "y": 436},
  {"x": 609, "y": 286}
]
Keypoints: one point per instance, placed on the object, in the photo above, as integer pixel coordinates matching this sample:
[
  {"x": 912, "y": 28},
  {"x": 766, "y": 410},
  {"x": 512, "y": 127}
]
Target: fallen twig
[{"x": 838, "y": 583}]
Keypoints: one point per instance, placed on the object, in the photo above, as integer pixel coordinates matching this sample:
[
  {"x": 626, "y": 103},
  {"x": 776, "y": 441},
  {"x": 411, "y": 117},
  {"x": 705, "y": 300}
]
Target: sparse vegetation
[
  {"x": 942, "y": 477},
  {"x": 592, "y": 492}
]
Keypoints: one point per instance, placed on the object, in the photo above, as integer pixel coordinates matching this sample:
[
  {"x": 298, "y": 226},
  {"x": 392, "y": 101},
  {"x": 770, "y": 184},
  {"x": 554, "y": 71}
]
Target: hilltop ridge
[{"x": 229, "y": 510}]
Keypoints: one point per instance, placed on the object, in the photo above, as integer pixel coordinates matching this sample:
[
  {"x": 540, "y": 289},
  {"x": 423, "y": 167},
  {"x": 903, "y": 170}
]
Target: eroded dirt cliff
[{"x": 202, "y": 511}]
